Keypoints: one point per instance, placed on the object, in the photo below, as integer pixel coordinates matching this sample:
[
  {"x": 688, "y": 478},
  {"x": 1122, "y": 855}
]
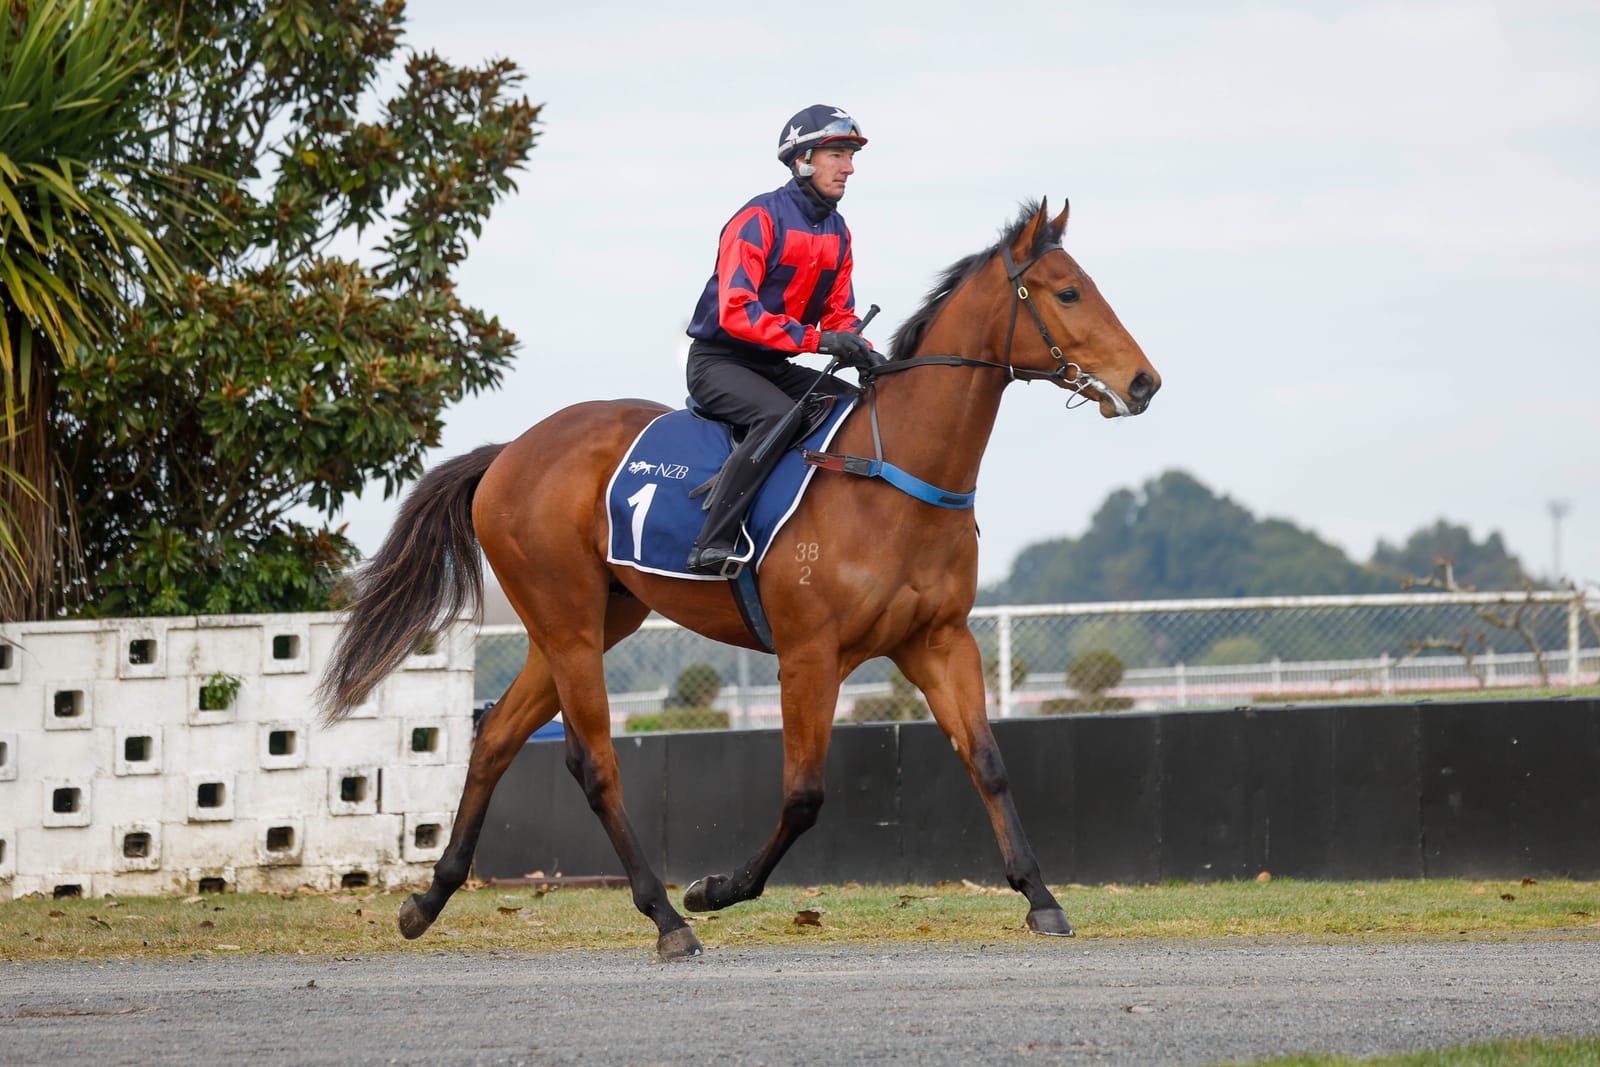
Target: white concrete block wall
[{"x": 119, "y": 775}]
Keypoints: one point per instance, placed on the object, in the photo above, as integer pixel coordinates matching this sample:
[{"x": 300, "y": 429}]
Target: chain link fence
[{"x": 1149, "y": 655}]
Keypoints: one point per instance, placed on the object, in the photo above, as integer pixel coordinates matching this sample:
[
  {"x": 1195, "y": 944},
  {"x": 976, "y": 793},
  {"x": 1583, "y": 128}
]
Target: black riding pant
[{"x": 755, "y": 391}]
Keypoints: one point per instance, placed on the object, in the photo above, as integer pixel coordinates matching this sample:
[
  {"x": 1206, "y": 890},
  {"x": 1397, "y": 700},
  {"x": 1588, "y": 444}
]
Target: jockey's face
[{"x": 834, "y": 167}]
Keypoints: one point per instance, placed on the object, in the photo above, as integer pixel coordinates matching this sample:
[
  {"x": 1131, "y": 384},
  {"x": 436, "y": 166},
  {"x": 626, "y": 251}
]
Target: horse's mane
[{"x": 909, "y": 335}]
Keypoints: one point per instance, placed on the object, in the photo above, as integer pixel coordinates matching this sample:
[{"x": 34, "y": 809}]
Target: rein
[{"x": 1068, "y": 375}]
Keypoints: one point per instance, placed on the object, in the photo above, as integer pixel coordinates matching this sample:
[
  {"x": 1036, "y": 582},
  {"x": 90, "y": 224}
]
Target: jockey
[{"x": 781, "y": 288}]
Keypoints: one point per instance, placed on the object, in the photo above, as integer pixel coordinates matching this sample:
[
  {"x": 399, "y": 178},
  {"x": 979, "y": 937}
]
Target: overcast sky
[{"x": 1360, "y": 241}]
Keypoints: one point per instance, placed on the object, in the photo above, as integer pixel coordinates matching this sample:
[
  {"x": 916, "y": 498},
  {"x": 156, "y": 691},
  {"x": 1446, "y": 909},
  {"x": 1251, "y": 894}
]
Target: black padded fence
[{"x": 1477, "y": 790}]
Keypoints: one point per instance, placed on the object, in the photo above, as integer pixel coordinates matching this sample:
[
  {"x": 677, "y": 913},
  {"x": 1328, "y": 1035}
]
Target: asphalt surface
[{"x": 1045, "y": 1001}]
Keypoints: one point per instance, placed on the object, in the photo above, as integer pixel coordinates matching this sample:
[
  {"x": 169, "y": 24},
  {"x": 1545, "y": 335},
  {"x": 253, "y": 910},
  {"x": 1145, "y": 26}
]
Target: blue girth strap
[
  {"x": 878, "y": 467},
  {"x": 909, "y": 484}
]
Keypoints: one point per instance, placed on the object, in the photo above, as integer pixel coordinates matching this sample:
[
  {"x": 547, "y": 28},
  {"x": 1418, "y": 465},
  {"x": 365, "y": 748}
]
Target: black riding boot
[{"x": 718, "y": 541}]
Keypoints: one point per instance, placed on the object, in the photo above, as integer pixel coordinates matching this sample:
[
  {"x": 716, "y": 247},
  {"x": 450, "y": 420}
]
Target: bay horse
[{"x": 876, "y": 572}]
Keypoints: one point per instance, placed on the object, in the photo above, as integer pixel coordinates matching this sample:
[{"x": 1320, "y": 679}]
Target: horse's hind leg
[
  {"x": 527, "y": 705},
  {"x": 593, "y": 762},
  {"x": 948, "y": 668}
]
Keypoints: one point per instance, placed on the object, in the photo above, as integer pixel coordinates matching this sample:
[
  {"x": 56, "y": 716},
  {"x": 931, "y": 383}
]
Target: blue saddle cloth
[{"x": 653, "y": 521}]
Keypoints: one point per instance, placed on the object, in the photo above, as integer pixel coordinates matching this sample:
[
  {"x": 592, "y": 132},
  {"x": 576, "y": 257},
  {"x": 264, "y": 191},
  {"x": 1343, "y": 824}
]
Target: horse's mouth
[{"x": 1112, "y": 406}]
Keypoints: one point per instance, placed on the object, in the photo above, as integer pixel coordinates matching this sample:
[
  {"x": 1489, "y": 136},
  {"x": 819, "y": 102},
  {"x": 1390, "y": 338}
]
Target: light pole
[{"x": 1558, "y": 511}]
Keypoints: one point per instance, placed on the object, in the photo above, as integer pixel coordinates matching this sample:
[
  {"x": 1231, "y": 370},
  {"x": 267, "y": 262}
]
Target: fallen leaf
[
  {"x": 100, "y": 922},
  {"x": 310, "y": 985},
  {"x": 1478, "y": 890},
  {"x": 1530, "y": 881},
  {"x": 1507, "y": 896},
  {"x": 196, "y": 899},
  {"x": 207, "y": 924},
  {"x": 808, "y": 917},
  {"x": 1115, "y": 888},
  {"x": 1264, "y": 877},
  {"x": 113, "y": 903},
  {"x": 227, "y": 948},
  {"x": 56, "y": 914},
  {"x": 1138, "y": 1009},
  {"x": 507, "y": 911},
  {"x": 925, "y": 929}
]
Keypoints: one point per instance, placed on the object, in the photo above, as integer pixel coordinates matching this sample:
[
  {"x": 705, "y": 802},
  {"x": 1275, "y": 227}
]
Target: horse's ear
[
  {"x": 1058, "y": 225},
  {"x": 1028, "y": 238}
]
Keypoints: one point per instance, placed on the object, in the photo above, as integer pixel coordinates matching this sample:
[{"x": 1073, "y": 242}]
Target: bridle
[{"x": 1067, "y": 374}]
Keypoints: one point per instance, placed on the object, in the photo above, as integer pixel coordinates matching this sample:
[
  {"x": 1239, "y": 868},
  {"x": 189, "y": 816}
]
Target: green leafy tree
[
  {"x": 86, "y": 188},
  {"x": 1479, "y": 566},
  {"x": 1176, "y": 538},
  {"x": 281, "y": 375}
]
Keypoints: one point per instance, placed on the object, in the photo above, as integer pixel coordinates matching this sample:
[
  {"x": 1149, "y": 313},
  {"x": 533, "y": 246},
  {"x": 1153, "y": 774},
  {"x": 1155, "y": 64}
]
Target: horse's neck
[{"x": 936, "y": 420}]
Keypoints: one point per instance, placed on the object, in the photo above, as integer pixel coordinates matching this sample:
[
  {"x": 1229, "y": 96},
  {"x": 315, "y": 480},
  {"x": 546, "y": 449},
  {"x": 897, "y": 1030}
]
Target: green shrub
[
  {"x": 1228, "y": 651},
  {"x": 695, "y": 719},
  {"x": 991, "y": 672},
  {"x": 903, "y": 704},
  {"x": 1083, "y": 705},
  {"x": 697, "y": 687},
  {"x": 1094, "y": 672},
  {"x": 678, "y": 718}
]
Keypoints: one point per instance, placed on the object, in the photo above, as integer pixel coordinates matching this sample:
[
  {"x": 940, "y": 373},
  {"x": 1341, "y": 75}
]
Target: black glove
[{"x": 848, "y": 348}]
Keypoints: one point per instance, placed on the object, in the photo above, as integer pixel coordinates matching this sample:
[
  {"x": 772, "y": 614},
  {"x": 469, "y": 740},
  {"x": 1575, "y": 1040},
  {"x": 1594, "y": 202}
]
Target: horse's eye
[{"x": 1068, "y": 296}]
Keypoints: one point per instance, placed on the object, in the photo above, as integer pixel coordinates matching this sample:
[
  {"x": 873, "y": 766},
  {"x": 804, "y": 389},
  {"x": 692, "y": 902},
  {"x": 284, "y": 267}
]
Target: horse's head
[{"x": 1070, "y": 335}]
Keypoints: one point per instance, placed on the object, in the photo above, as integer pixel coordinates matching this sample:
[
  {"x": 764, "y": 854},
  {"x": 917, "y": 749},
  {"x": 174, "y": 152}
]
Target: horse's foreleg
[
  {"x": 809, "y": 700},
  {"x": 948, "y": 668},
  {"x": 527, "y": 705}
]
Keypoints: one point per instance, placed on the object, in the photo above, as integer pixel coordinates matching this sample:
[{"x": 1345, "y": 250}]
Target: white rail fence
[{"x": 1173, "y": 653}]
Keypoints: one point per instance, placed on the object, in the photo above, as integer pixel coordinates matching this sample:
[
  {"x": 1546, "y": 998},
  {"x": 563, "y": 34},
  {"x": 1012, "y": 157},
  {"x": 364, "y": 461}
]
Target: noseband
[{"x": 1067, "y": 374}]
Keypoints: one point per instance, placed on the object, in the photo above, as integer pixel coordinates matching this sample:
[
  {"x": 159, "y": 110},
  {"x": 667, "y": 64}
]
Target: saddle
[{"x": 815, "y": 413}]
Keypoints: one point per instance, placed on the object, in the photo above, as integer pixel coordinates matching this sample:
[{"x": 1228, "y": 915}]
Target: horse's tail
[{"x": 426, "y": 574}]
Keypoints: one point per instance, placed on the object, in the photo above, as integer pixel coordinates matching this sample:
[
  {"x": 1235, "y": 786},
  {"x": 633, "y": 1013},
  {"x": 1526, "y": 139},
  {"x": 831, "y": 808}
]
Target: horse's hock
[{"x": 150, "y": 756}]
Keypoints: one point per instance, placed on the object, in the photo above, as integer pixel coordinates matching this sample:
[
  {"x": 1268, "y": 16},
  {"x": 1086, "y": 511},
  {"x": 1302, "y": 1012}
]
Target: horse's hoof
[
  {"x": 414, "y": 922},
  {"x": 708, "y": 893},
  {"x": 679, "y": 944},
  {"x": 1050, "y": 921}
]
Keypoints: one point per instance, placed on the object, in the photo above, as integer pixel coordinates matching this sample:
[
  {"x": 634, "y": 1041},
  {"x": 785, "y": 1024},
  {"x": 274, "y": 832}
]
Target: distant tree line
[{"x": 1174, "y": 538}]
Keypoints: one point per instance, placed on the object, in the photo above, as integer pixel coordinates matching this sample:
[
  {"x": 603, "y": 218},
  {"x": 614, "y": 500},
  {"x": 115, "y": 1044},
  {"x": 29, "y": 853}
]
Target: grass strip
[
  {"x": 1528, "y": 1052},
  {"x": 489, "y": 917}
]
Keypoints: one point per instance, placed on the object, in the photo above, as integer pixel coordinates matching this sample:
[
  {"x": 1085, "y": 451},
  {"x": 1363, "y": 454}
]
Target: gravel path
[{"x": 1043, "y": 1002}]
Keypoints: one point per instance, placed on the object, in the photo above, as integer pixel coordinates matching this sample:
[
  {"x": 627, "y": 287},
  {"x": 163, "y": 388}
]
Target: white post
[
  {"x": 1183, "y": 688},
  {"x": 1573, "y": 607},
  {"x": 1003, "y": 664}
]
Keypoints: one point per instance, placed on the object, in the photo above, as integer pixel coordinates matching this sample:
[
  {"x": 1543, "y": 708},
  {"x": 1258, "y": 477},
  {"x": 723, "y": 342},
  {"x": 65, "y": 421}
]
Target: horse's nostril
[{"x": 1143, "y": 386}]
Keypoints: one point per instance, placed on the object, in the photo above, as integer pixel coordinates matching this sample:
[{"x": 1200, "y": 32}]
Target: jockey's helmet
[{"x": 817, "y": 126}]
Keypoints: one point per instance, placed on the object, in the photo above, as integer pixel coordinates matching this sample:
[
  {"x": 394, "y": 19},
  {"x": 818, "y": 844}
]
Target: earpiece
[{"x": 803, "y": 167}]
